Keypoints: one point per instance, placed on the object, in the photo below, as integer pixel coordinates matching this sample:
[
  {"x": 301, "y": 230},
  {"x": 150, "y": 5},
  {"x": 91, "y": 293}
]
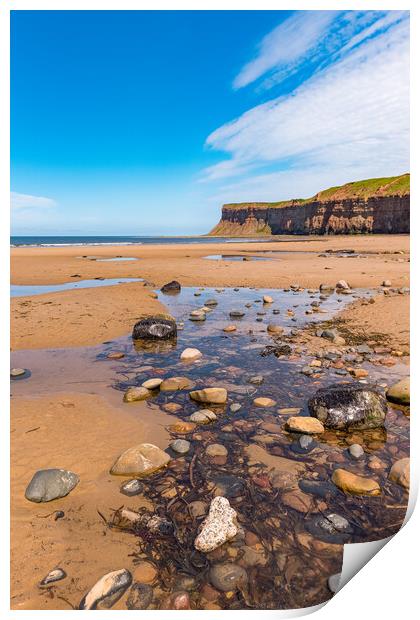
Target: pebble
[
  {"x": 262, "y": 401},
  {"x": 399, "y": 393},
  {"x": 267, "y": 299},
  {"x": 218, "y": 527},
  {"x": 132, "y": 487},
  {"x": 17, "y": 372},
  {"x": 204, "y": 416},
  {"x": 210, "y": 303},
  {"x": 197, "y": 315},
  {"x": 172, "y": 384},
  {"x": 141, "y": 460},
  {"x": 334, "y": 583},
  {"x": 356, "y": 451},
  {"x": 107, "y": 591},
  {"x": 386, "y": 283},
  {"x": 182, "y": 427},
  {"x": 152, "y": 384},
  {"x": 49, "y": 484},
  {"x": 115, "y": 355},
  {"x": 180, "y": 446},
  {"x": 176, "y": 601},
  {"x": 134, "y": 394},
  {"x": 400, "y": 473},
  {"x": 257, "y": 380},
  {"x": 216, "y": 449},
  {"x": 190, "y": 355},
  {"x": 54, "y": 575},
  {"x": 236, "y": 314},
  {"x": 140, "y": 596},
  {"x": 210, "y": 395},
  {"x": 197, "y": 508},
  {"x": 354, "y": 484},
  {"x": 144, "y": 572},
  {"x": 235, "y": 407},
  {"x": 274, "y": 329},
  {"x": 230, "y": 328},
  {"x": 228, "y": 577}
]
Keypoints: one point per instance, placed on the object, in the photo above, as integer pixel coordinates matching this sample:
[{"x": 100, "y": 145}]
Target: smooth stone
[
  {"x": 304, "y": 445},
  {"x": 339, "y": 341},
  {"x": 400, "y": 473},
  {"x": 152, "y": 384},
  {"x": 54, "y": 575},
  {"x": 210, "y": 395},
  {"x": 172, "y": 407},
  {"x": 226, "y": 485},
  {"x": 399, "y": 392},
  {"x": 228, "y": 577},
  {"x": 211, "y": 303},
  {"x": 356, "y": 451},
  {"x": 107, "y": 591},
  {"x": 140, "y": 596},
  {"x": 172, "y": 384},
  {"x": 359, "y": 373},
  {"x": 262, "y": 401},
  {"x": 289, "y": 410},
  {"x": 135, "y": 394},
  {"x": 197, "y": 315},
  {"x": 230, "y": 328},
  {"x": 257, "y": 380},
  {"x": 190, "y": 355},
  {"x": 216, "y": 449},
  {"x": 319, "y": 488},
  {"x": 274, "y": 329},
  {"x": 132, "y": 487},
  {"x": 345, "y": 406},
  {"x": 355, "y": 485},
  {"x": 309, "y": 426},
  {"x": 115, "y": 355},
  {"x": 140, "y": 460},
  {"x": 180, "y": 446},
  {"x": 197, "y": 508},
  {"x": 267, "y": 299},
  {"x": 327, "y": 287},
  {"x": 204, "y": 416},
  {"x": 182, "y": 427},
  {"x": 235, "y": 407},
  {"x": 17, "y": 372},
  {"x": 144, "y": 572},
  {"x": 49, "y": 484},
  {"x": 299, "y": 501},
  {"x": 329, "y": 334},
  {"x": 157, "y": 327},
  {"x": 386, "y": 283},
  {"x": 218, "y": 527},
  {"x": 334, "y": 582},
  {"x": 342, "y": 285}
]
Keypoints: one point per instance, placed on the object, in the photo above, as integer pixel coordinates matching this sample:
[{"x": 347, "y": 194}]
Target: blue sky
[{"x": 146, "y": 122}]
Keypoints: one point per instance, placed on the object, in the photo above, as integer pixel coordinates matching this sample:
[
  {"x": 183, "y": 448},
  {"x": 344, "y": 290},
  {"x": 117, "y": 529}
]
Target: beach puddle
[
  {"x": 287, "y": 545},
  {"x": 115, "y": 259},
  {"x": 23, "y": 290},
  {"x": 239, "y": 257}
]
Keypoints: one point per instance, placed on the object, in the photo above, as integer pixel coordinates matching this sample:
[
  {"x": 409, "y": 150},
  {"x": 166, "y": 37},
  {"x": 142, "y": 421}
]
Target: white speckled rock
[{"x": 218, "y": 527}]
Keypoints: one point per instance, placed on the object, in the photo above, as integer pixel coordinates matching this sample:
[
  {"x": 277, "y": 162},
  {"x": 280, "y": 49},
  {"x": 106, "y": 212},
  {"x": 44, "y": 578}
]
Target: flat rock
[
  {"x": 115, "y": 355},
  {"x": 140, "y": 596},
  {"x": 197, "y": 315},
  {"x": 356, "y": 451},
  {"x": 204, "y": 416},
  {"x": 267, "y": 299},
  {"x": 218, "y": 527},
  {"x": 49, "y": 484},
  {"x": 236, "y": 314},
  {"x": 230, "y": 328},
  {"x": 309, "y": 426},
  {"x": 400, "y": 473},
  {"x": 172, "y": 384},
  {"x": 216, "y": 449},
  {"x": 134, "y": 394},
  {"x": 57, "y": 574},
  {"x": 348, "y": 406},
  {"x": 355, "y": 485},
  {"x": 182, "y": 427},
  {"x": 107, "y": 591},
  {"x": 274, "y": 329},
  {"x": 210, "y": 395},
  {"x": 152, "y": 384},
  {"x": 17, "y": 372},
  {"x": 140, "y": 460},
  {"x": 262, "y": 401},
  {"x": 191, "y": 355},
  {"x": 132, "y": 487},
  {"x": 299, "y": 501},
  {"x": 400, "y": 392}
]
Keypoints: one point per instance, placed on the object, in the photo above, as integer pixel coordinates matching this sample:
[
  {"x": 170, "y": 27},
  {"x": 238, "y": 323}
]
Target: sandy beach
[{"x": 83, "y": 427}]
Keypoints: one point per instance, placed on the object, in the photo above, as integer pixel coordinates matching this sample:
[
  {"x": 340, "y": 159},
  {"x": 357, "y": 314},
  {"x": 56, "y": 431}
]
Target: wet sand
[{"x": 84, "y": 432}]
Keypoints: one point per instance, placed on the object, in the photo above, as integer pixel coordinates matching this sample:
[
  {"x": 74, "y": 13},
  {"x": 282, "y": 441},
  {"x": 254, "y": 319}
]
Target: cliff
[{"x": 371, "y": 206}]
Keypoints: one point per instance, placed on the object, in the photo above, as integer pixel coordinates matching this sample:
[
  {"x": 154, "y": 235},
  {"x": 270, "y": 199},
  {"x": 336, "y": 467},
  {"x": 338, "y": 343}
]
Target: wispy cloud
[
  {"x": 349, "y": 118},
  {"x": 26, "y": 201}
]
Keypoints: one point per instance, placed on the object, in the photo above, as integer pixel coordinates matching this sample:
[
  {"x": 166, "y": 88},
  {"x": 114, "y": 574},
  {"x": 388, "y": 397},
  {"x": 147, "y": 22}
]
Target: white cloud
[
  {"x": 349, "y": 120},
  {"x": 26, "y": 201}
]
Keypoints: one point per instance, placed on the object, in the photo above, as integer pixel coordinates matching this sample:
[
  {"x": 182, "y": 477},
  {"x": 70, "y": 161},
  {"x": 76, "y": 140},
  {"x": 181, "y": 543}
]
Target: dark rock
[
  {"x": 319, "y": 488},
  {"x": 171, "y": 287},
  {"x": 132, "y": 487},
  {"x": 140, "y": 596},
  {"x": 158, "y": 327},
  {"x": 348, "y": 406},
  {"x": 49, "y": 484},
  {"x": 227, "y": 577}
]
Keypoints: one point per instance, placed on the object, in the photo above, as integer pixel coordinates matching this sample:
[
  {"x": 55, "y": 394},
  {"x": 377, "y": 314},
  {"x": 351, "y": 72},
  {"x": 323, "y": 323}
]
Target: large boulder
[
  {"x": 49, "y": 484},
  {"x": 346, "y": 406},
  {"x": 171, "y": 287},
  {"x": 157, "y": 327}
]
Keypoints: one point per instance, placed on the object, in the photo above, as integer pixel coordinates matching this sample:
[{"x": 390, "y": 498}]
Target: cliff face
[{"x": 353, "y": 208}]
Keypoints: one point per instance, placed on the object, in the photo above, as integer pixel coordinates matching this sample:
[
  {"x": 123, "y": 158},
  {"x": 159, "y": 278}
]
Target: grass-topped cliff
[{"x": 370, "y": 206}]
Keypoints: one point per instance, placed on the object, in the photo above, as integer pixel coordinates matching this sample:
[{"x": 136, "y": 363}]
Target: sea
[{"x": 58, "y": 241}]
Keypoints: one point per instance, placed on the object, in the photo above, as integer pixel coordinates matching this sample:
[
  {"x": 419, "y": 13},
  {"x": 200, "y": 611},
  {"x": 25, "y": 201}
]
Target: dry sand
[{"x": 85, "y": 432}]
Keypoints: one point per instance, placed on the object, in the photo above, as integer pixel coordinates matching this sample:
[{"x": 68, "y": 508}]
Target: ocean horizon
[{"x": 103, "y": 240}]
